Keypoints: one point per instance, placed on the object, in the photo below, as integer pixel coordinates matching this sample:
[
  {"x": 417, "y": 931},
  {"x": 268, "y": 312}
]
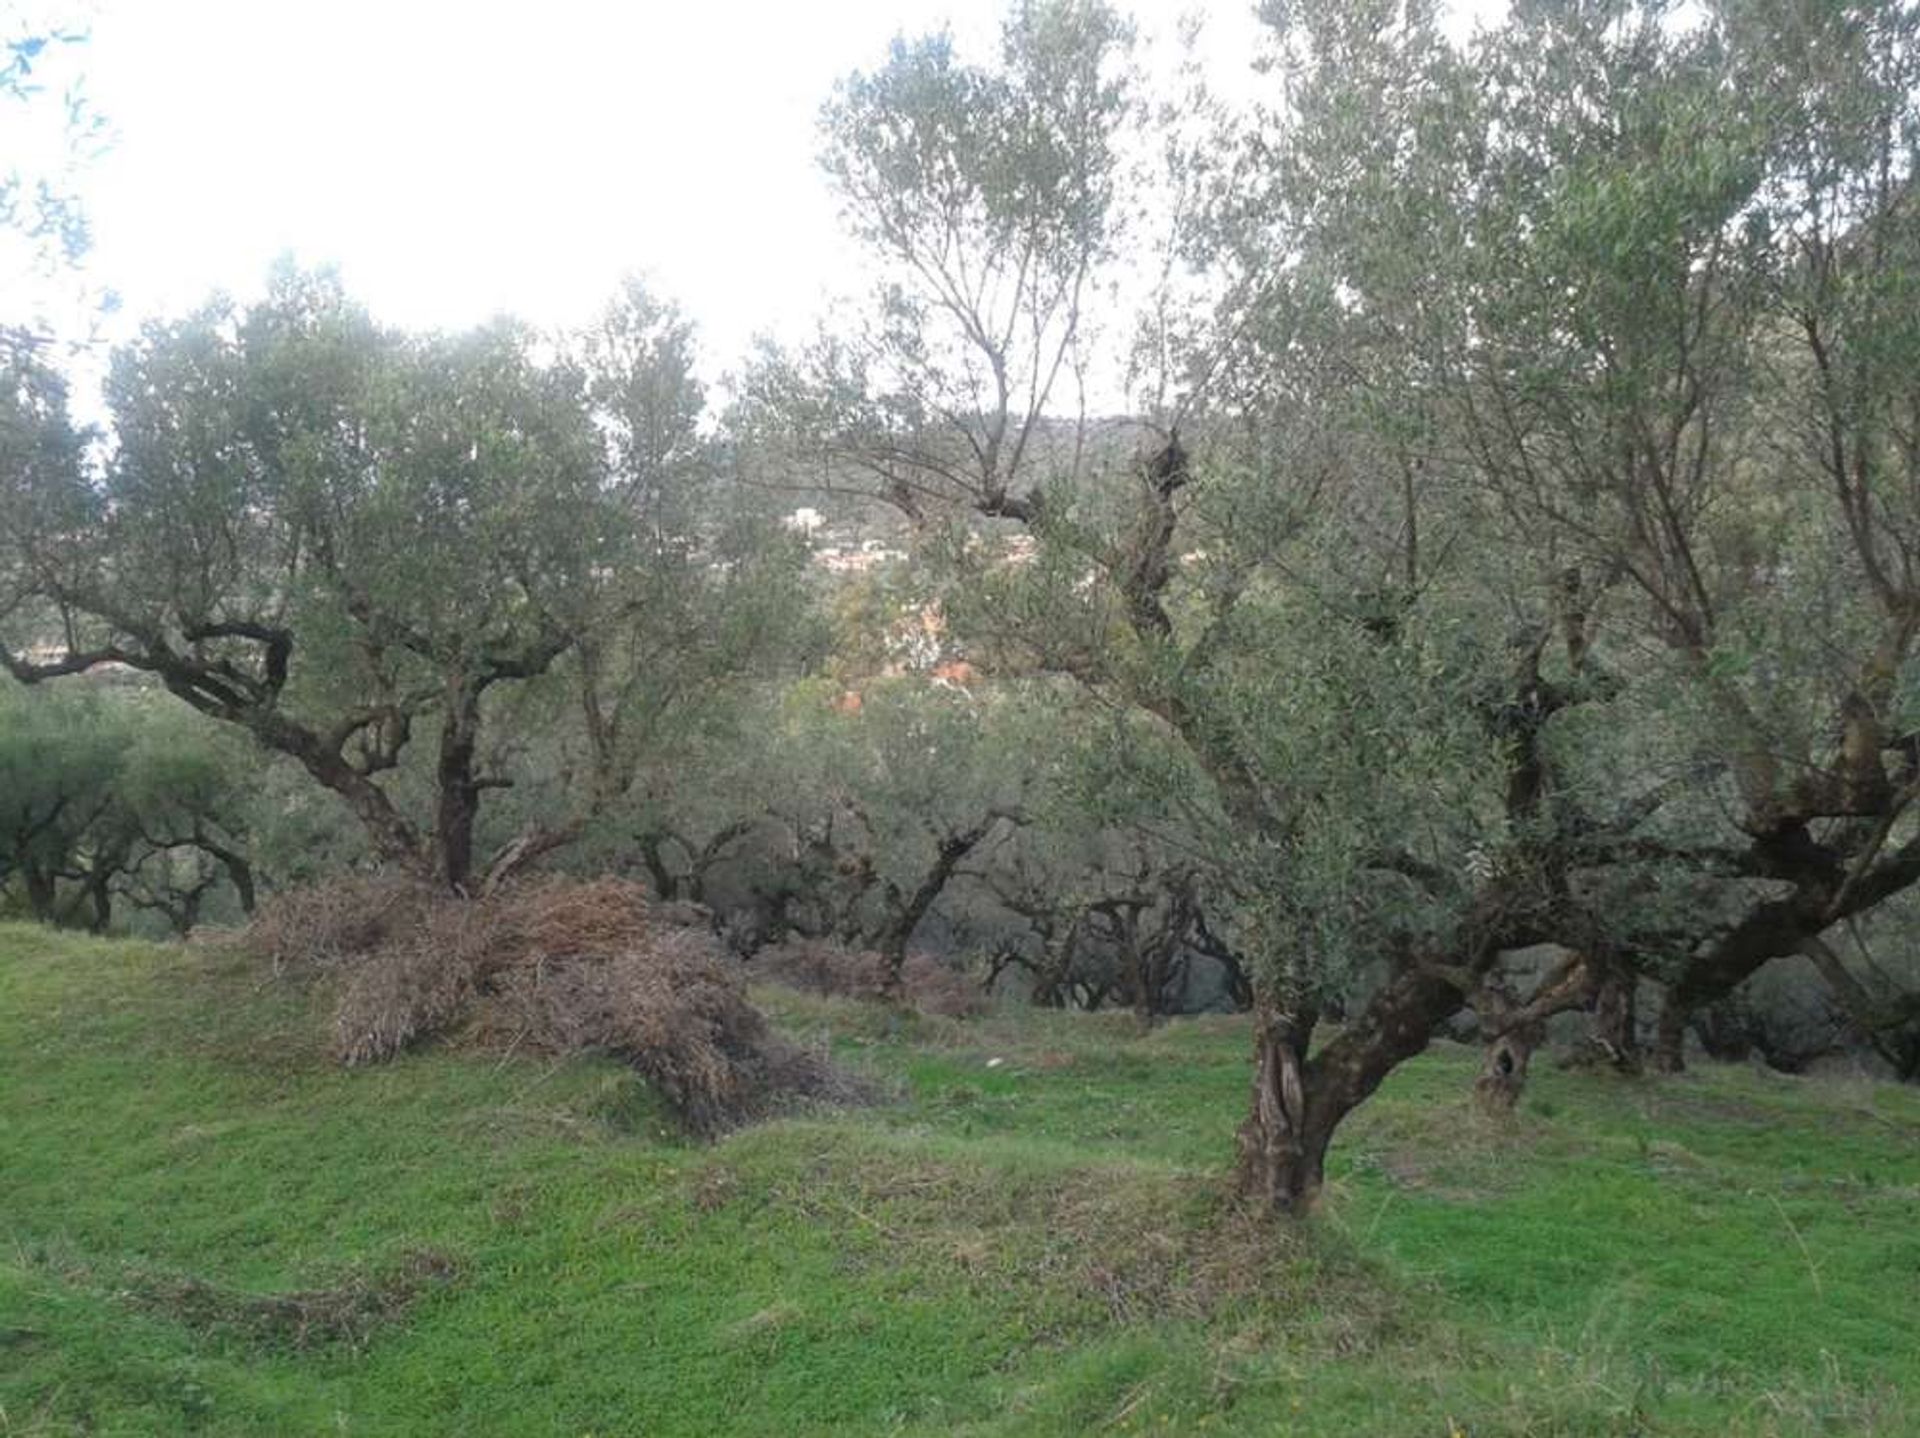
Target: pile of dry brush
[{"x": 556, "y": 967}]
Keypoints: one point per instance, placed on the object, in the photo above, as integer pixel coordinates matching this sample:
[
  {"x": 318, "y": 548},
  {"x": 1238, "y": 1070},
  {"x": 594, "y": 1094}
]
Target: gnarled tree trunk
[
  {"x": 904, "y": 922},
  {"x": 1300, "y": 1100},
  {"x": 1670, "y": 1035},
  {"x": 1503, "y": 1074},
  {"x": 1614, "y": 1033},
  {"x": 1515, "y": 1029},
  {"x": 458, "y": 801},
  {"x": 1283, "y": 1144},
  {"x": 41, "y": 893}
]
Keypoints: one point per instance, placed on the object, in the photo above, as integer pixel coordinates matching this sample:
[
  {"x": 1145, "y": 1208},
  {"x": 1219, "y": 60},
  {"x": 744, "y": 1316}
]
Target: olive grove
[{"x": 1464, "y": 502}]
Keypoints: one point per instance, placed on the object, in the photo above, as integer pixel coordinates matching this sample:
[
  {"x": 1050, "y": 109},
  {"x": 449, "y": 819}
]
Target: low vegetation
[{"x": 208, "y": 1225}]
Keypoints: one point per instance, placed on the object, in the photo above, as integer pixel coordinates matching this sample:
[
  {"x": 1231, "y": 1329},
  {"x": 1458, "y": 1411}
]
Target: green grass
[{"x": 206, "y": 1228}]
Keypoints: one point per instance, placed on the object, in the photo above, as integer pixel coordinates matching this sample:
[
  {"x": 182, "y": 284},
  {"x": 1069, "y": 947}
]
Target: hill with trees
[{"x": 1431, "y": 554}]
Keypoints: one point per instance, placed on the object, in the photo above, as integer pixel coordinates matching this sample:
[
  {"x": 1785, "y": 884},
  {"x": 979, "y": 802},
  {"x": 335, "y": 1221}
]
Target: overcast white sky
[{"x": 457, "y": 158}]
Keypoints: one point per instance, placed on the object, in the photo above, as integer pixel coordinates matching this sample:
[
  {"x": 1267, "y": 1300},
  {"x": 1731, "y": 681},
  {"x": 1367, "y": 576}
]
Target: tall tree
[
  {"x": 1207, "y": 649},
  {"x": 1686, "y": 382},
  {"x": 1469, "y": 509},
  {"x": 989, "y": 194}
]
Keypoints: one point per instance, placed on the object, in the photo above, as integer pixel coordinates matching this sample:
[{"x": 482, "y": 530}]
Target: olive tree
[
  {"x": 988, "y": 193},
  {"x": 338, "y": 538},
  {"x": 1627, "y": 298},
  {"x": 1227, "y": 662},
  {"x": 59, "y": 767},
  {"x": 1480, "y": 492},
  {"x": 880, "y": 809},
  {"x": 105, "y": 796},
  {"x": 1688, "y": 331}
]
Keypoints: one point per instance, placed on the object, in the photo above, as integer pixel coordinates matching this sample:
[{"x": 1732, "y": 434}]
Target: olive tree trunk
[
  {"x": 1300, "y": 1098},
  {"x": 1503, "y": 1074}
]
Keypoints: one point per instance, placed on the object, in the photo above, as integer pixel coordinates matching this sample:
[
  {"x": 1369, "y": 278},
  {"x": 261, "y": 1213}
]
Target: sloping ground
[{"x": 206, "y": 1227}]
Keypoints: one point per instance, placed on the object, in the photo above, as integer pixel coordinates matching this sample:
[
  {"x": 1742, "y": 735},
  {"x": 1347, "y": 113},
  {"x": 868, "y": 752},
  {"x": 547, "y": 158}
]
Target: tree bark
[
  {"x": 1283, "y": 1144},
  {"x": 1670, "y": 1037},
  {"x": 394, "y": 839},
  {"x": 1614, "y": 1032},
  {"x": 1298, "y": 1102},
  {"x": 240, "y": 875},
  {"x": 1239, "y": 986},
  {"x": 1514, "y": 1030},
  {"x": 1157, "y": 950},
  {"x": 1772, "y": 929},
  {"x": 41, "y": 891},
  {"x": 239, "y": 869},
  {"x": 951, "y": 853},
  {"x": 1053, "y": 977},
  {"x": 100, "y": 899},
  {"x": 666, "y": 885},
  {"x": 1888, "y": 1027},
  {"x": 458, "y": 803},
  {"x": 1503, "y": 1074}
]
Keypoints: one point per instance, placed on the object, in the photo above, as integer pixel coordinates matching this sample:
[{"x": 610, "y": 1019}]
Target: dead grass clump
[
  {"x": 322, "y": 926},
  {"x": 565, "y": 918},
  {"x": 347, "y": 1313},
  {"x": 815, "y": 966},
  {"x": 554, "y": 967},
  {"x": 684, "y": 913},
  {"x": 416, "y": 985},
  {"x": 933, "y": 988},
  {"x": 1114, "y": 1244},
  {"x": 677, "y": 1013}
]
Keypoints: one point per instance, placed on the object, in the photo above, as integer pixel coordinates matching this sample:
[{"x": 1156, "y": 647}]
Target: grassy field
[{"x": 206, "y": 1228}]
